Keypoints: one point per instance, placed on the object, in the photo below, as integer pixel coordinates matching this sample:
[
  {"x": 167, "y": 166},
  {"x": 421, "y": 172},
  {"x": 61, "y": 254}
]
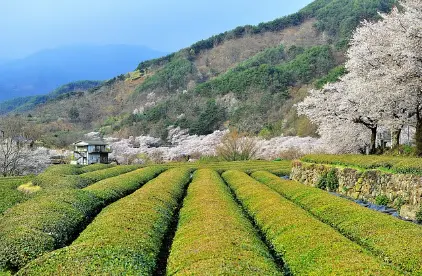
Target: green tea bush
[
  {"x": 54, "y": 180},
  {"x": 111, "y": 189},
  {"x": 305, "y": 244},
  {"x": 125, "y": 238},
  {"x": 42, "y": 224},
  {"x": 405, "y": 165},
  {"x": 9, "y": 195},
  {"x": 53, "y": 219},
  {"x": 396, "y": 241},
  {"x": 97, "y": 175},
  {"x": 382, "y": 200},
  {"x": 213, "y": 235}
]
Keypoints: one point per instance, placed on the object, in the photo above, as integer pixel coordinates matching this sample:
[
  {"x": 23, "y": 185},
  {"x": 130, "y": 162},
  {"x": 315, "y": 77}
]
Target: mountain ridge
[{"x": 248, "y": 78}]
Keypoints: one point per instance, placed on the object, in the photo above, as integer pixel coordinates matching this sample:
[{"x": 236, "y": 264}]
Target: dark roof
[{"x": 92, "y": 143}]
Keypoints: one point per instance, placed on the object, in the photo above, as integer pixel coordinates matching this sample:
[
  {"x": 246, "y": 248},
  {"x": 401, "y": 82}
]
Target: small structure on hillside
[{"x": 91, "y": 152}]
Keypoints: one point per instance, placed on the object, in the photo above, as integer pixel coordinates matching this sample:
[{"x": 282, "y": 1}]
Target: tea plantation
[{"x": 214, "y": 218}]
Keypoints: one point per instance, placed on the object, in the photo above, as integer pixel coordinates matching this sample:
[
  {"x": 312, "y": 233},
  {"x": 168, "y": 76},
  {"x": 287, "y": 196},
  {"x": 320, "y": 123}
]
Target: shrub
[
  {"x": 322, "y": 182},
  {"x": 236, "y": 146},
  {"x": 125, "y": 238},
  {"x": 382, "y": 200},
  {"x": 212, "y": 223},
  {"x": 42, "y": 224},
  {"x": 113, "y": 188},
  {"x": 9, "y": 195},
  {"x": 405, "y": 165},
  {"x": 332, "y": 181},
  {"x": 290, "y": 154},
  {"x": 419, "y": 215},
  {"x": 51, "y": 220},
  {"x": 394, "y": 240},
  {"x": 305, "y": 243}
]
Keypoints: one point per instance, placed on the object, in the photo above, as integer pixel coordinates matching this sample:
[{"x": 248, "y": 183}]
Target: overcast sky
[{"x": 27, "y": 26}]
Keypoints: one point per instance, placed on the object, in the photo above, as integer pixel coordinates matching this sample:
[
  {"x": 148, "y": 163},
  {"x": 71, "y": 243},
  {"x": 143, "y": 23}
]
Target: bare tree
[{"x": 13, "y": 145}]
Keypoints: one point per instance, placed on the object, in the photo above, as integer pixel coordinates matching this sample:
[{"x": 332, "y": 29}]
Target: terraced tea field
[{"x": 221, "y": 218}]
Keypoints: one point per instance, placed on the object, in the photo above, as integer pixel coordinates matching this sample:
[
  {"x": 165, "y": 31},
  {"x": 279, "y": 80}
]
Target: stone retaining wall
[{"x": 401, "y": 189}]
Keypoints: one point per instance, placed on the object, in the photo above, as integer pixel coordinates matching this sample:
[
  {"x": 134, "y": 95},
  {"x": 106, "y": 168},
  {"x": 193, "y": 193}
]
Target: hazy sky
[{"x": 27, "y": 26}]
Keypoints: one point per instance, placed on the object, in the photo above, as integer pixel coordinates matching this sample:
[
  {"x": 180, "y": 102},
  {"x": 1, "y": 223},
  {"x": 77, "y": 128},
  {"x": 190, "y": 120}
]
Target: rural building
[{"x": 90, "y": 152}]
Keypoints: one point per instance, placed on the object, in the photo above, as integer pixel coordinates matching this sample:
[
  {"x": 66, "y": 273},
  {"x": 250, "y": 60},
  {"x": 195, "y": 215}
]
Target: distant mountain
[
  {"x": 248, "y": 78},
  {"x": 46, "y": 70}
]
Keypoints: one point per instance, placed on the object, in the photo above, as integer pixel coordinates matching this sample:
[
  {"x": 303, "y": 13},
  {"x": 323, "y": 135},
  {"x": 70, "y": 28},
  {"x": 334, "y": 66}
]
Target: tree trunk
[
  {"x": 418, "y": 136},
  {"x": 395, "y": 138},
  {"x": 373, "y": 140}
]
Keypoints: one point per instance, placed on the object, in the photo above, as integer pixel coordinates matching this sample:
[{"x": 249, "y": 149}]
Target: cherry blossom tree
[{"x": 383, "y": 86}]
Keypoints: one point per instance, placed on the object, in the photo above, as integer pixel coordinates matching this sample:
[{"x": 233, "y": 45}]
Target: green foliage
[
  {"x": 395, "y": 164},
  {"x": 305, "y": 243},
  {"x": 280, "y": 168},
  {"x": 125, "y": 237},
  {"x": 382, "y": 200},
  {"x": 9, "y": 195},
  {"x": 175, "y": 75},
  {"x": 332, "y": 180},
  {"x": 42, "y": 224},
  {"x": 52, "y": 219},
  {"x": 74, "y": 177},
  {"x": 212, "y": 223},
  {"x": 73, "y": 113},
  {"x": 381, "y": 234},
  {"x": 111, "y": 189},
  {"x": 419, "y": 215},
  {"x": 332, "y": 76},
  {"x": 322, "y": 182},
  {"x": 209, "y": 119}
]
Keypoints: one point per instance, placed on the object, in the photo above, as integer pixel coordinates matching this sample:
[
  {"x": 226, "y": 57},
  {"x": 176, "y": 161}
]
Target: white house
[{"x": 91, "y": 152}]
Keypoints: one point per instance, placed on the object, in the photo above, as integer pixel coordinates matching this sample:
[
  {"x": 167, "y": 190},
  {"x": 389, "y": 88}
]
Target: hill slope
[{"x": 248, "y": 78}]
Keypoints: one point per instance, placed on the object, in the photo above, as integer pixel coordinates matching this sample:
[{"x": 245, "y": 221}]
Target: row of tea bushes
[
  {"x": 51, "y": 220},
  {"x": 396, "y": 241},
  {"x": 125, "y": 238},
  {"x": 113, "y": 188},
  {"x": 75, "y": 169},
  {"x": 213, "y": 236},
  {"x": 9, "y": 195},
  {"x": 307, "y": 246},
  {"x": 276, "y": 167},
  {"x": 51, "y": 180},
  {"x": 405, "y": 165}
]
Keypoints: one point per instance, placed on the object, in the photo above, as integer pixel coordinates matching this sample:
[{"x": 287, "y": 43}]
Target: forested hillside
[{"x": 248, "y": 78}]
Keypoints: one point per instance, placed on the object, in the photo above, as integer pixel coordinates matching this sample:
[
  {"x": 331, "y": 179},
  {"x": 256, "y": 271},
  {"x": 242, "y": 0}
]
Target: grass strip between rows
[
  {"x": 394, "y": 240},
  {"x": 213, "y": 236},
  {"x": 307, "y": 246},
  {"x": 125, "y": 238},
  {"x": 54, "y": 219}
]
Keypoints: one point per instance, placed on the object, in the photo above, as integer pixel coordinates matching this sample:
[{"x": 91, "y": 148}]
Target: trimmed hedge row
[
  {"x": 51, "y": 220},
  {"x": 307, "y": 245},
  {"x": 213, "y": 235},
  {"x": 396, "y": 241},
  {"x": 114, "y": 188},
  {"x": 68, "y": 169},
  {"x": 405, "y": 165},
  {"x": 125, "y": 238},
  {"x": 50, "y": 180},
  {"x": 9, "y": 195},
  {"x": 276, "y": 167}
]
